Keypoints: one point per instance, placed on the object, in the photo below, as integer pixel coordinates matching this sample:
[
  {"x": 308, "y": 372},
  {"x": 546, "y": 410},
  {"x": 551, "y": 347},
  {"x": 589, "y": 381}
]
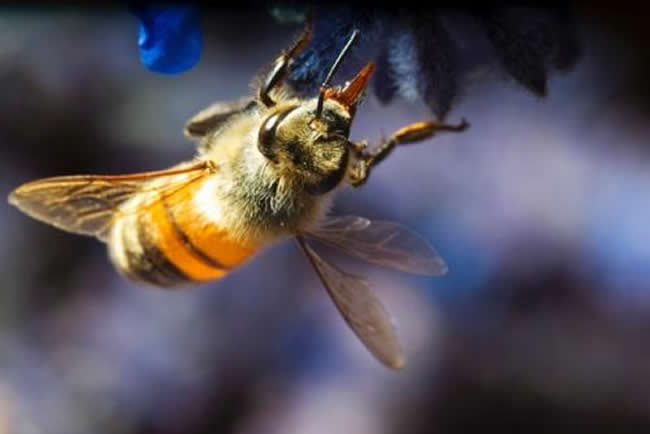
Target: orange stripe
[
  {"x": 187, "y": 242},
  {"x": 172, "y": 247},
  {"x": 210, "y": 239}
]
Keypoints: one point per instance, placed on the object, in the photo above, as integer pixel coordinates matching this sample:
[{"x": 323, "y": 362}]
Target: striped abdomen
[{"x": 169, "y": 244}]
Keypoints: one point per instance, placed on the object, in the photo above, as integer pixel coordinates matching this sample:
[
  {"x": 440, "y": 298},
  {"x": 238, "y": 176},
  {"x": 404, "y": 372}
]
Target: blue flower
[
  {"x": 169, "y": 37},
  {"x": 428, "y": 56}
]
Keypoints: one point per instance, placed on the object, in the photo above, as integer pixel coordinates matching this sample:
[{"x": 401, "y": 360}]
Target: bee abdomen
[
  {"x": 152, "y": 248},
  {"x": 148, "y": 263}
]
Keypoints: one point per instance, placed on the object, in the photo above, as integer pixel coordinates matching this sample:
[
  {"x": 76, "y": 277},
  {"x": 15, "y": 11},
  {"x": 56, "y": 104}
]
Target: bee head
[{"x": 310, "y": 137}]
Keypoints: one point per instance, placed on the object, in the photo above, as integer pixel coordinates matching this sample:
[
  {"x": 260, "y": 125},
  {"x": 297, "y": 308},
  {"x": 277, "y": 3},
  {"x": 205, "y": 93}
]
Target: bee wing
[
  {"x": 381, "y": 242},
  {"x": 215, "y": 115},
  {"x": 88, "y": 204},
  {"x": 360, "y": 308}
]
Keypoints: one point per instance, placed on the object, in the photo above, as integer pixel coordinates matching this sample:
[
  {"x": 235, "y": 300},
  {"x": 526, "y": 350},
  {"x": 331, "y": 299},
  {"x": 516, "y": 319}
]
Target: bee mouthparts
[{"x": 351, "y": 93}]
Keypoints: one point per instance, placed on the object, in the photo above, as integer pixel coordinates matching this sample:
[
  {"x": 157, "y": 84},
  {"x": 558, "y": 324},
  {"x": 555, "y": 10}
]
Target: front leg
[
  {"x": 281, "y": 65},
  {"x": 413, "y": 133}
]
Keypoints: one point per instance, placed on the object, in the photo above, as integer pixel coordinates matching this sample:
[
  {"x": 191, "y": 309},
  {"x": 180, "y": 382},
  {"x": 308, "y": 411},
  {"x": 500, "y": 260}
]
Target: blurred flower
[
  {"x": 432, "y": 54},
  {"x": 169, "y": 37}
]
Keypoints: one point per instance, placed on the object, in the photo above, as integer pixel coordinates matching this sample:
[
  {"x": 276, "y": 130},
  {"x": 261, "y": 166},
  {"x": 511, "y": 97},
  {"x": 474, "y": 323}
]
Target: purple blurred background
[{"x": 541, "y": 210}]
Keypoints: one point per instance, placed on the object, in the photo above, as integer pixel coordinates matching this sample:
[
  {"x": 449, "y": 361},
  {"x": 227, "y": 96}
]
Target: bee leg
[
  {"x": 358, "y": 147},
  {"x": 413, "y": 133},
  {"x": 281, "y": 65}
]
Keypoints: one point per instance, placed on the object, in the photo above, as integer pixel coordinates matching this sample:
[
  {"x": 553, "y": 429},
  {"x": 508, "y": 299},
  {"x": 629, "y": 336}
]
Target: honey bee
[{"x": 266, "y": 170}]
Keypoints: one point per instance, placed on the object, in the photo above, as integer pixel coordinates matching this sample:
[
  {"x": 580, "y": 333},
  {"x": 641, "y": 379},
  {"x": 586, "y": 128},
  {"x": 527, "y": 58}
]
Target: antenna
[{"x": 332, "y": 71}]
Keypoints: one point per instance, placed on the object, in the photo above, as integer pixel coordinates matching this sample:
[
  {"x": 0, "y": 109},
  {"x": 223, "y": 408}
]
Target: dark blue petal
[
  {"x": 169, "y": 37},
  {"x": 332, "y": 28},
  {"x": 434, "y": 54}
]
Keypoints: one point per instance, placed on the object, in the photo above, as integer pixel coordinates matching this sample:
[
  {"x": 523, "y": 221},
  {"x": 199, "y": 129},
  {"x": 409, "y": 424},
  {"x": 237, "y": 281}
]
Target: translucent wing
[
  {"x": 381, "y": 242},
  {"x": 87, "y": 204},
  {"x": 215, "y": 115},
  {"x": 360, "y": 308}
]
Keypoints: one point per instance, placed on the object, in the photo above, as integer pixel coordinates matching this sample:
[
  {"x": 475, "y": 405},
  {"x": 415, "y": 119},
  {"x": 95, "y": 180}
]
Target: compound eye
[{"x": 266, "y": 135}]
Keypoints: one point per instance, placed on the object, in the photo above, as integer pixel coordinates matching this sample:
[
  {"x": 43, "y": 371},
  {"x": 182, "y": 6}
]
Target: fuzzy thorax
[{"x": 278, "y": 170}]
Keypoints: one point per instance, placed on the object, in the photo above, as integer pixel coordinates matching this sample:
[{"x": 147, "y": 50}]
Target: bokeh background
[{"x": 541, "y": 210}]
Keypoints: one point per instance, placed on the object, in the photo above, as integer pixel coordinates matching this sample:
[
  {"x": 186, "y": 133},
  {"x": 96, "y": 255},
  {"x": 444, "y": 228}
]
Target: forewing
[
  {"x": 87, "y": 204},
  {"x": 214, "y": 116},
  {"x": 360, "y": 308},
  {"x": 381, "y": 242}
]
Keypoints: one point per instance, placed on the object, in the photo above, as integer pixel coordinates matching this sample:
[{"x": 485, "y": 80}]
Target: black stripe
[
  {"x": 191, "y": 248},
  {"x": 151, "y": 265}
]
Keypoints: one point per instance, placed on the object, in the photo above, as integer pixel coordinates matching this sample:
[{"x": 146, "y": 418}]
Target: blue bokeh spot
[{"x": 169, "y": 37}]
